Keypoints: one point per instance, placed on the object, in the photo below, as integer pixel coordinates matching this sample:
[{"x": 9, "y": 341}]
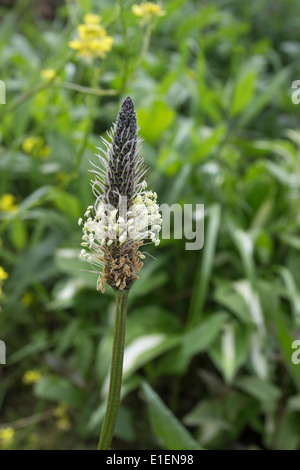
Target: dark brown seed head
[{"x": 123, "y": 156}]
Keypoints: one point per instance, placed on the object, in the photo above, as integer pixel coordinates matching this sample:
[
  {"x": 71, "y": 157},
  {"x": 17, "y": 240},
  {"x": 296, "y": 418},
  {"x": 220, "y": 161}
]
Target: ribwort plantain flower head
[{"x": 125, "y": 214}]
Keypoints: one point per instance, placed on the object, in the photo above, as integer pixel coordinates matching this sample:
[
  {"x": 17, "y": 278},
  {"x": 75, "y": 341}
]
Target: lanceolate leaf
[{"x": 166, "y": 427}]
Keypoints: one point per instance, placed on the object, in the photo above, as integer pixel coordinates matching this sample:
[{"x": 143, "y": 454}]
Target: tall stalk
[{"x": 116, "y": 370}]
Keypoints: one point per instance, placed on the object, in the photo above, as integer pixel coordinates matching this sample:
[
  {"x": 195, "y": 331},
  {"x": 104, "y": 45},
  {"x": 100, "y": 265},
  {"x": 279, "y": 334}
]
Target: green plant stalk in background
[{"x": 116, "y": 369}]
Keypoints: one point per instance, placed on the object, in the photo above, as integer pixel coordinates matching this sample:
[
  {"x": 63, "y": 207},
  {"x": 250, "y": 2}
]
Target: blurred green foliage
[{"x": 209, "y": 335}]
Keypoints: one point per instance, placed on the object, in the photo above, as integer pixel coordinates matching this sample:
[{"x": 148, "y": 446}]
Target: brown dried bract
[{"x": 121, "y": 264}]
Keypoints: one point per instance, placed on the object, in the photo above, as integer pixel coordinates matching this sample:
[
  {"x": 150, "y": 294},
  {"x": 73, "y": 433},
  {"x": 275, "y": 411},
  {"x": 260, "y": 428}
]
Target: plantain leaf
[{"x": 167, "y": 428}]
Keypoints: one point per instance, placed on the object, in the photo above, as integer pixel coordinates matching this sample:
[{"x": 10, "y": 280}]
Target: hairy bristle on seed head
[{"x": 122, "y": 166}]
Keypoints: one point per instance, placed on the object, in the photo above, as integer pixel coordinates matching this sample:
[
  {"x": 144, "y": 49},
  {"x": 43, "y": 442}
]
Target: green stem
[
  {"x": 143, "y": 51},
  {"x": 91, "y": 105},
  {"x": 87, "y": 90},
  {"x": 116, "y": 369},
  {"x": 145, "y": 45}
]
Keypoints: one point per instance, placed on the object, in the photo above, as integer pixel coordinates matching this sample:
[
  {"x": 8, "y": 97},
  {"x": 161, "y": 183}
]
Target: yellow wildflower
[
  {"x": 147, "y": 11},
  {"x": 27, "y": 299},
  {"x": 89, "y": 32},
  {"x": 3, "y": 274},
  {"x": 48, "y": 74},
  {"x": 7, "y": 203},
  {"x": 90, "y": 18},
  {"x": 93, "y": 40},
  {"x": 63, "y": 423},
  {"x": 31, "y": 377},
  {"x": 29, "y": 144},
  {"x": 36, "y": 147},
  {"x": 6, "y": 437},
  {"x": 61, "y": 410}
]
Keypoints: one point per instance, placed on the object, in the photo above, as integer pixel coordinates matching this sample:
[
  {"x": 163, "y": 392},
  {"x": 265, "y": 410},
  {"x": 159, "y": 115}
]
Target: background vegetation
[{"x": 210, "y": 332}]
